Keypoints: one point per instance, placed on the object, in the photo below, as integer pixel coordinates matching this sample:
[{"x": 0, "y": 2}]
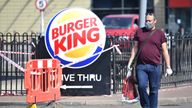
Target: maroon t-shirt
[{"x": 150, "y": 53}]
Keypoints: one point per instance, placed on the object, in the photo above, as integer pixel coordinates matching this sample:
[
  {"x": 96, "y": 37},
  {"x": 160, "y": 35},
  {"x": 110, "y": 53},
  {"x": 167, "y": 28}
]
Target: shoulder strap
[{"x": 144, "y": 43}]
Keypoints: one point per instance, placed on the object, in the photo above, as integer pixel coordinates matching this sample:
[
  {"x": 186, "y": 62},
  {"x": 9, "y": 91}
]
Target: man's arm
[
  {"x": 133, "y": 53},
  {"x": 166, "y": 54}
]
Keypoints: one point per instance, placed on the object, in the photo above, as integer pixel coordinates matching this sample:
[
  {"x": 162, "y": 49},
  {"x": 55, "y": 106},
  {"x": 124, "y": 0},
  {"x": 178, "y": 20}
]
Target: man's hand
[
  {"x": 128, "y": 72},
  {"x": 168, "y": 72}
]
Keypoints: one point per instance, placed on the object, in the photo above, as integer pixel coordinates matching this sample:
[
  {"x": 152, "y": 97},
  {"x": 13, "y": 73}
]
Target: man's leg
[
  {"x": 142, "y": 79},
  {"x": 154, "y": 82}
]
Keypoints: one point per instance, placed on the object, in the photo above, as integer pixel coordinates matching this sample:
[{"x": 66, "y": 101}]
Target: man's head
[{"x": 150, "y": 21}]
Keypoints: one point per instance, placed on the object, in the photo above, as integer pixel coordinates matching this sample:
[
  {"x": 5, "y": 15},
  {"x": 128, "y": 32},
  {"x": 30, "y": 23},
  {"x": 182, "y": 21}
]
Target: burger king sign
[{"x": 76, "y": 37}]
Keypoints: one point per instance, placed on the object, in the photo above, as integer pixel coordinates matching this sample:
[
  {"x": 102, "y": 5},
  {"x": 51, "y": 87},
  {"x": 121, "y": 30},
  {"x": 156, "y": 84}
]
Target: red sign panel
[{"x": 180, "y": 3}]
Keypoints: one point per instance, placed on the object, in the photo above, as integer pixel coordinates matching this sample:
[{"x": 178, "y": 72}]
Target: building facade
[{"x": 22, "y": 15}]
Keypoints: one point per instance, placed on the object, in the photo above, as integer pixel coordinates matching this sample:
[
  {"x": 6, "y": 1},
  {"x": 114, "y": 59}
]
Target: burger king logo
[{"x": 76, "y": 37}]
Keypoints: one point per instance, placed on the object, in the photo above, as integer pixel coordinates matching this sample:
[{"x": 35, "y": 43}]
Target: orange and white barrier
[{"x": 43, "y": 80}]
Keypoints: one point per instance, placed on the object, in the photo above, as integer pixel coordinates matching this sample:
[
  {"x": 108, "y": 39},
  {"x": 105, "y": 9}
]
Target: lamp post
[{"x": 142, "y": 12}]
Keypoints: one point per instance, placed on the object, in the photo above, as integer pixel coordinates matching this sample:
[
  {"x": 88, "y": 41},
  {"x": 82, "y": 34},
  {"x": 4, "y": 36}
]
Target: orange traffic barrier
[{"x": 43, "y": 80}]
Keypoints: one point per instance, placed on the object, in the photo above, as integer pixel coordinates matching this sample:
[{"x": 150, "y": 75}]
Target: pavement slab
[{"x": 168, "y": 96}]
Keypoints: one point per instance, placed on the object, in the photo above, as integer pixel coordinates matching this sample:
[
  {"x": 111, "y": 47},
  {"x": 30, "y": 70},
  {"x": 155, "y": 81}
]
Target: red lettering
[
  {"x": 75, "y": 39},
  {"x": 62, "y": 30},
  {"x": 59, "y": 45},
  {"x": 79, "y": 38},
  {"x": 70, "y": 27},
  {"x": 86, "y": 23},
  {"x": 55, "y": 33},
  {"x": 91, "y": 36},
  {"x": 78, "y": 24},
  {"x": 93, "y": 22},
  {"x": 69, "y": 41},
  {"x": 74, "y": 34}
]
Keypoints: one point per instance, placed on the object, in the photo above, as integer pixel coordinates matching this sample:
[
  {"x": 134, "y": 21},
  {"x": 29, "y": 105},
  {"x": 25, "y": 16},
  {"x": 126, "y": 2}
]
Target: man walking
[{"x": 148, "y": 43}]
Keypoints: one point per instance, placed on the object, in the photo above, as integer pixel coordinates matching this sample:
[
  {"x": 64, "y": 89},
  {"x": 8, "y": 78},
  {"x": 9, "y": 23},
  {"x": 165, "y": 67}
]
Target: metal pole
[
  {"x": 122, "y": 7},
  {"x": 142, "y": 12},
  {"x": 191, "y": 19},
  {"x": 114, "y": 73},
  {"x": 42, "y": 23}
]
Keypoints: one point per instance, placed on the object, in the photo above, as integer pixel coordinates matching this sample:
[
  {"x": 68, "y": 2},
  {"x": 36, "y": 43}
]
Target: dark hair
[{"x": 151, "y": 14}]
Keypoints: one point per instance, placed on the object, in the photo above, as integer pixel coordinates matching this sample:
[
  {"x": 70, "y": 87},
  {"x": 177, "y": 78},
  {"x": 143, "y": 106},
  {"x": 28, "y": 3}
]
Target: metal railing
[
  {"x": 18, "y": 48},
  {"x": 180, "y": 51},
  {"x": 21, "y": 47}
]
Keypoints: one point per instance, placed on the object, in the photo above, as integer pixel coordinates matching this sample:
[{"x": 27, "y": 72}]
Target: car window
[
  {"x": 117, "y": 22},
  {"x": 136, "y": 23}
]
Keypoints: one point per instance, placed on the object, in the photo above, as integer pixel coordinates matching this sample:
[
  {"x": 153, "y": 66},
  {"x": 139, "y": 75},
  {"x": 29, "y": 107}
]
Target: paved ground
[{"x": 170, "y": 96}]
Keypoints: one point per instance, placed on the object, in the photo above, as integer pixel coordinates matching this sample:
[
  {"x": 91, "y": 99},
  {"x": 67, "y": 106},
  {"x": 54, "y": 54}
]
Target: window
[{"x": 117, "y": 22}]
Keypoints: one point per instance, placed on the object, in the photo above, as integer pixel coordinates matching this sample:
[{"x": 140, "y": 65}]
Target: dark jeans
[{"x": 148, "y": 74}]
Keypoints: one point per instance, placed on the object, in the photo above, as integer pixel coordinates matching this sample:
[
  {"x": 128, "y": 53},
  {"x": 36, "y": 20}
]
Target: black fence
[
  {"x": 20, "y": 48},
  {"x": 180, "y": 51},
  {"x": 181, "y": 60}
]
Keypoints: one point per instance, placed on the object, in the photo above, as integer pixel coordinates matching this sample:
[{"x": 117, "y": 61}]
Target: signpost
[{"x": 41, "y": 5}]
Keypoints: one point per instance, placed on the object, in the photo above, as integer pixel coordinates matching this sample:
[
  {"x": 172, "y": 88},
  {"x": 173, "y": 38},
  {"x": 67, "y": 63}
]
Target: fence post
[
  {"x": 171, "y": 50},
  {"x": 176, "y": 40},
  {"x": 1, "y": 46},
  {"x": 114, "y": 72}
]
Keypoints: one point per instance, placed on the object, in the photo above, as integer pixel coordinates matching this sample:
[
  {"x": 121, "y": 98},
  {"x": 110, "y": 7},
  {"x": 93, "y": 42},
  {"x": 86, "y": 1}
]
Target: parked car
[{"x": 121, "y": 24}]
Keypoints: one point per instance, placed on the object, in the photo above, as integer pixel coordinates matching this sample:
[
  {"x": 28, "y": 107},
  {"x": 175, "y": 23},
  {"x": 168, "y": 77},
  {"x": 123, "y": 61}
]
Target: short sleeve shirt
[{"x": 150, "y": 52}]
